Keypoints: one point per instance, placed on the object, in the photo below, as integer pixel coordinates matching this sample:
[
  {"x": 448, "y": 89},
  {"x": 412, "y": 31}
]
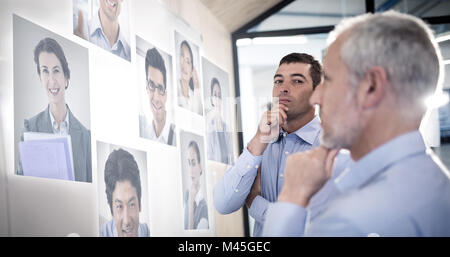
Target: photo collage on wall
[{"x": 53, "y": 87}]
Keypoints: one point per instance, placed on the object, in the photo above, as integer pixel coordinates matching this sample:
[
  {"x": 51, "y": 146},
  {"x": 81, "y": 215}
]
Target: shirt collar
[
  {"x": 308, "y": 132},
  {"x": 379, "y": 159},
  {"x": 64, "y": 123},
  {"x": 95, "y": 24},
  {"x": 164, "y": 133},
  {"x": 198, "y": 197}
]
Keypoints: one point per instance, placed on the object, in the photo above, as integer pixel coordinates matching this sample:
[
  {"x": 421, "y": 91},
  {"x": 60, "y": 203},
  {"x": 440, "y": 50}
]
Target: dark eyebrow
[
  {"x": 300, "y": 75},
  {"x": 132, "y": 199},
  {"x": 156, "y": 84},
  {"x": 278, "y": 75}
]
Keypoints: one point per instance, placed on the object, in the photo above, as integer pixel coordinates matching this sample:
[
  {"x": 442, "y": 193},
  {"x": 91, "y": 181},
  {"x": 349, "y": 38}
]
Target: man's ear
[{"x": 373, "y": 88}]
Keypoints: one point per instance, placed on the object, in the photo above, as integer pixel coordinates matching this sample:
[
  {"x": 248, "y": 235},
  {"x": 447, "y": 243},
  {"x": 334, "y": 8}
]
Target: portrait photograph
[
  {"x": 154, "y": 82},
  {"x": 104, "y": 23},
  {"x": 187, "y": 59},
  {"x": 122, "y": 191},
  {"x": 195, "y": 203},
  {"x": 219, "y": 134},
  {"x": 52, "y": 135}
]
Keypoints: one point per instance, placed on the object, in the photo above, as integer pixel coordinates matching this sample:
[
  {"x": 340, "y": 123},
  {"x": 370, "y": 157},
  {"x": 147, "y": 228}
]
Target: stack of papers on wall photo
[{"x": 47, "y": 155}]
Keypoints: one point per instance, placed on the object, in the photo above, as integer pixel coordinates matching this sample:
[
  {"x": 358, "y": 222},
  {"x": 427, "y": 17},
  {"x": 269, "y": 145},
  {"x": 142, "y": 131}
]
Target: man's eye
[
  {"x": 298, "y": 81},
  {"x": 278, "y": 81}
]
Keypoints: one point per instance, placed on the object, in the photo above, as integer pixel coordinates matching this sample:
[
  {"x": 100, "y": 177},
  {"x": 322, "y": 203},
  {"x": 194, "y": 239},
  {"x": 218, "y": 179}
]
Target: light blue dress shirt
[
  {"x": 399, "y": 189},
  {"x": 109, "y": 230},
  {"x": 232, "y": 189},
  {"x": 95, "y": 35}
]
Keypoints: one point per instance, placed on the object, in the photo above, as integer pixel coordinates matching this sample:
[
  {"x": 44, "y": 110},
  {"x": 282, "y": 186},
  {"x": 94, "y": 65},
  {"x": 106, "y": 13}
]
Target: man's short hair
[
  {"x": 401, "y": 44},
  {"x": 121, "y": 166},
  {"x": 153, "y": 58},
  {"x": 315, "y": 71},
  {"x": 50, "y": 45}
]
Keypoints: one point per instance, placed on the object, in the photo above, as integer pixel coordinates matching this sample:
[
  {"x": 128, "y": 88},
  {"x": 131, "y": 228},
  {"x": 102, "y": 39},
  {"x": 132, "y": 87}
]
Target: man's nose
[
  {"x": 126, "y": 216},
  {"x": 316, "y": 97},
  {"x": 51, "y": 80},
  {"x": 284, "y": 88}
]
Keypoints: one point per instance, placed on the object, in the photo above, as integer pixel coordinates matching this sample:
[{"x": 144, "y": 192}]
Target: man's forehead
[
  {"x": 289, "y": 69},
  {"x": 332, "y": 53},
  {"x": 124, "y": 185}
]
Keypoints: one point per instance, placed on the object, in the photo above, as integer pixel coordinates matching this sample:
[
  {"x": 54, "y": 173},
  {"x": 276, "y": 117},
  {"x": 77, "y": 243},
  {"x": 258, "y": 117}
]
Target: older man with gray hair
[{"x": 377, "y": 72}]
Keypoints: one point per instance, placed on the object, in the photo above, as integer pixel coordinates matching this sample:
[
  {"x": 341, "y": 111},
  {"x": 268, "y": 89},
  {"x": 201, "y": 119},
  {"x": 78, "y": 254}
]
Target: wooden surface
[{"x": 233, "y": 14}]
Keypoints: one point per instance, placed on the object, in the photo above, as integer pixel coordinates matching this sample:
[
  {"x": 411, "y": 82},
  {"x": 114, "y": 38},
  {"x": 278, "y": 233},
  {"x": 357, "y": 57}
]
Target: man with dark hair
[
  {"x": 156, "y": 88},
  {"x": 290, "y": 126},
  {"x": 123, "y": 191}
]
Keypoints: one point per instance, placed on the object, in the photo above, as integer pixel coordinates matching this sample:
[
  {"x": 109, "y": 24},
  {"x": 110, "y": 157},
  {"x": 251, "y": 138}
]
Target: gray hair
[{"x": 402, "y": 44}]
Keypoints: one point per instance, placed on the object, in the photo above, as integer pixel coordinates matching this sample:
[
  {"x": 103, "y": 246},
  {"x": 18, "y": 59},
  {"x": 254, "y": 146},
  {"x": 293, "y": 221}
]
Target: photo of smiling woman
[
  {"x": 188, "y": 63},
  {"x": 56, "y": 117},
  {"x": 219, "y": 138}
]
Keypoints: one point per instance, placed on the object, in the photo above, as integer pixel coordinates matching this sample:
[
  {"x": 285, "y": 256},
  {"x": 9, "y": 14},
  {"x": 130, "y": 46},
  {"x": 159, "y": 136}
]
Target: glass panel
[
  {"x": 307, "y": 14},
  {"x": 420, "y": 8},
  {"x": 258, "y": 62},
  {"x": 444, "y": 111}
]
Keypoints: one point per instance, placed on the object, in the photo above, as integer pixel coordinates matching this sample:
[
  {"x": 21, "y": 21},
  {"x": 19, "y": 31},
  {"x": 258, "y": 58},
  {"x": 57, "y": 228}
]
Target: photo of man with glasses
[{"x": 156, "y": 87}]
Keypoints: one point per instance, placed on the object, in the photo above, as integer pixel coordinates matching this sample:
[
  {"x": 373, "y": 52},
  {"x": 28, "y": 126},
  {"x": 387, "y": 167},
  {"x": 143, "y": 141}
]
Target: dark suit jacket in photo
[{"x": 80, "y": 137}]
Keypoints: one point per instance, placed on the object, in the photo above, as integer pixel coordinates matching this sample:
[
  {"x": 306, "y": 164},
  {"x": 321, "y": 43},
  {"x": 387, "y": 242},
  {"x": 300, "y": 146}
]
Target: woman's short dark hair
[
  {"x": 153, "y": 58},
  {"x": 194, "y": 145},
  {"x": 50, "y": 45},
  {"x": 121, "y": 166},
  {"x": 215, "y": 81},
  {"x": 185, "y": 43},
  {"x": 315, "y": 71}
]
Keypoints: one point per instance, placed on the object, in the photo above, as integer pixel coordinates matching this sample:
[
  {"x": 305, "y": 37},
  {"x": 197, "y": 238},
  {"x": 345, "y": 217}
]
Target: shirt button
[
  {"x": 286, "y": 152},
  {"x": 236, "y": 190},
  {"x": 249, "y": 167},
  {"x": 281, "y": 175},
  {"x": 284, "y": 134}
]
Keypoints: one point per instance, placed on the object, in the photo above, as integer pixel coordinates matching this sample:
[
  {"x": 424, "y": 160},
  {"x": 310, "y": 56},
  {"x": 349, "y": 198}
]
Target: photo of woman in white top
[{"x": 189, "y": 95}]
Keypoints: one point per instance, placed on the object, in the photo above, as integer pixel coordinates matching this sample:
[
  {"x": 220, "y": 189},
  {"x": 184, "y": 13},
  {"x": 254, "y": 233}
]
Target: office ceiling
[
  {"x": 236, "y": 13},
  {"x": 304, "y": 13}
]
